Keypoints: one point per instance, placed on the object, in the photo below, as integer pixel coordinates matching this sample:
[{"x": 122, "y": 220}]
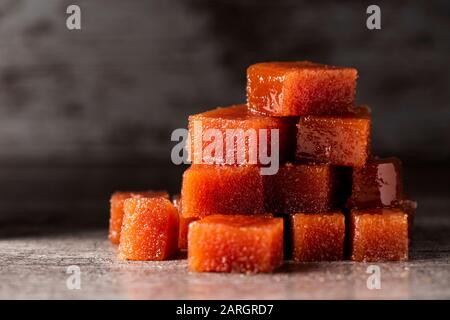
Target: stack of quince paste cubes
[{"x": 288, "y": 175}]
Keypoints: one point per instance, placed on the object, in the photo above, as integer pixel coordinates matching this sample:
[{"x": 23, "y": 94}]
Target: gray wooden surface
[{"x": 33, "y": 264}]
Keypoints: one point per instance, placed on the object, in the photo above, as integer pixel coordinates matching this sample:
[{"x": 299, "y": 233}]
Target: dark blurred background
[{"x": 83, "y": 113}]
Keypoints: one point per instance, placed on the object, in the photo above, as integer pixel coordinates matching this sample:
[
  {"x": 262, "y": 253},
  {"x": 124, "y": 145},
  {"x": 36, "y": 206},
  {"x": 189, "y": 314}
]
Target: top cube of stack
[{"x": 300, "y": 88}]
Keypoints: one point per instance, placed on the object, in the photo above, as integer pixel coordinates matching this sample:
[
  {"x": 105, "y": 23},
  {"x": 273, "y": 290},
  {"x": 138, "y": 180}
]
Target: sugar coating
[
  {"x": 318, "y": 236},
  {"x": 149, "y": 230},
  {"x": 300, "y": 188},
  {"x": 225, "y": 243},
  {"x": 377, "y": 184},
  {"x": 300, "y": 88},
  {"x": 338, "y": 140},
  {"x": 210, "y": 190},
  {"x": 183, "y": 234},
  {"x": 245, "y": 132},
  {"x": 379, "y": 235},
  {"x": 116, "y": 209},
  {"x": 184, "y": 223}
]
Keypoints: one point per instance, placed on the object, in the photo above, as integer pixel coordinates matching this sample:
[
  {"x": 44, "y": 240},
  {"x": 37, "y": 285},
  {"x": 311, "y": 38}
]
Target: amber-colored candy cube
[
  {"x": 241, "y": 136},
  {"x": 338, "y": 140},
  {"x": 210, "y": 190},
  {"x": 300, "y": 188},
  {"x": 318, "y": 236},
  {"x": 184, "y": 229},
  {"x": 377, "y": 184},
  {"x": 116, "y": 211},
  {"x": 149, "y": 230},
  {"x": 235, "y": 243},
  {"x": 184, "y": 223},
  {"x": 300, "y": 88},
  {"x": 379, "y": 235}
]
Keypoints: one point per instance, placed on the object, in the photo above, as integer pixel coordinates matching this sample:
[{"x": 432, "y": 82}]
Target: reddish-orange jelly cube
[
  {"x": 379, "y": 235},
  {"x": 338, "y": 140},
  {"x": 184, "y": 223},
  {"x": 116, "y": 211},
  {"x": 377, "y": 184},
  {"x": 183, "y": 234},
  {"x": 235, "y": 136},
  {"x": 300, "y": 88},
  {"x": 210, "y": 190},
  {"x": 149, "y": 229},
  {"x": 300, "y": 188},
  {"x": 235, "y": 243},
  {"x": 318, "y": 236}
]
